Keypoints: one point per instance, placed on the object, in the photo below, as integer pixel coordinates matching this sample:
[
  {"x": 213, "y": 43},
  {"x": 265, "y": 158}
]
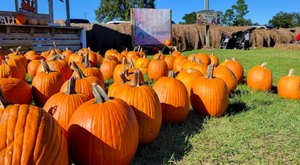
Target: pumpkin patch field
[{"x": 208, "y": 106}]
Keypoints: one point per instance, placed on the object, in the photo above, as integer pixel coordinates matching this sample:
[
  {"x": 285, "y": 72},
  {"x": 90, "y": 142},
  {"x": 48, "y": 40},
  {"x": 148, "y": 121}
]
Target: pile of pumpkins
[{"x": 76, "y": 119}]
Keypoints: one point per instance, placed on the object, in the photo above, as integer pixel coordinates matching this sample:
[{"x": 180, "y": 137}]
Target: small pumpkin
[
  {"x": 62, "y": 105},
  {"x": 260, "y": 78},
  {"x": 236, "y": 68},
  {"x": 21, "y": 19},
  {"x": 289, "y": 86}
]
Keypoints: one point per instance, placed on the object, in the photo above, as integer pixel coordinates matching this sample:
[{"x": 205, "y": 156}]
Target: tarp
[{"x": 297, "y": 37}]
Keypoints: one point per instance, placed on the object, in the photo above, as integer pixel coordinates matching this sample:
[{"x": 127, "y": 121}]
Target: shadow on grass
[
  {"x": 236, "y": 108},
  {"x": 172, "y": 142}
]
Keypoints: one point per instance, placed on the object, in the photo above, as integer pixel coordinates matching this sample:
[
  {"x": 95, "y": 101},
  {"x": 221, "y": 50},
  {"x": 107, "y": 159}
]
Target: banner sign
[
  {"x": 151, "y": 26},
  {"x": 209, "y": 17}
]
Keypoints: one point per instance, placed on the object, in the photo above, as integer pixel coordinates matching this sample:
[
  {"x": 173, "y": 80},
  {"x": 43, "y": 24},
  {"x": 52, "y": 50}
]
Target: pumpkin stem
[
  {"x": 123, "y": 77},
  {"x": 4, "y": 62},
  {"x": 99, "y": 93},
  {"x": 233, "y": 59},
  {"x": 52, "y": 110},
  {"x": 136, "y": 80},
  {"x": 86, "y": 61},
  {"x": 292, "y": 72},
  {"x": 57, "y": 57},
  {"x": 199, "y": 61},
  {"x": 264, "y": 65},
  {"x": 124, "y": 60},
  {"x": 131, "y": 63},
  {"x": 193, "y": 58},
  {"x": 171, "y": 74},
  {"x": 71, "y": 86},
  {"x": 89, "y": 48},
  {"x": 190, "y": 70},
  {"x": 45, "y": 66},
  {"x": 78, "y": 70},
  {"x": 54, "y": 44},
  {"x": 210, "y": 71},
  {"x": 175, "y": 48}
]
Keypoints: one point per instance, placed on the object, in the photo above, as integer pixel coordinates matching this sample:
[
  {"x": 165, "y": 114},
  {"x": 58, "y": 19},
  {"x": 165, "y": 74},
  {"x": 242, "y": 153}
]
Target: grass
[{"x": 258, "y": 127}]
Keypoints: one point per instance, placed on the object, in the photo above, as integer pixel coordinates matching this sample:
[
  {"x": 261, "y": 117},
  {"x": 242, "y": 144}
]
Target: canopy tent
[{"x": 50, "y": 4}]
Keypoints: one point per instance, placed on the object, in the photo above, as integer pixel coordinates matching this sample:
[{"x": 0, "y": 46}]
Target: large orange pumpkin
[
  {"x": 145, "y": 103},
  {"x": 209, "y": 95},
  {"x": 289, "y": 86},
  {"x": 187, "y": 76},
  {"x": 103, "y": 131},
  {"x": 157, "y": 68},
  {"x": 236, "y": 68},
  {"x": 260, "y": 78},
  {"x": 29, "y": 135},
  {"x": 174, "y": 99}
]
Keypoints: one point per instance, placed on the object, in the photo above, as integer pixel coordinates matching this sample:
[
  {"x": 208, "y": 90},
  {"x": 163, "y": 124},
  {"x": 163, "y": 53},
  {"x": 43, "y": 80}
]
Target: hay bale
[{"x": 287, "y": 46}]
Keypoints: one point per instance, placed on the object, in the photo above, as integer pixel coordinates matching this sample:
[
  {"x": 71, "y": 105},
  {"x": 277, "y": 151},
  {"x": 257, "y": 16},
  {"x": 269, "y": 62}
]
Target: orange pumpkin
[
  {"x": 93, "y": 141},
  {"x": 168, "y": 42},
  {"x": 174, "y": 99},
  {"x": 260, "y": 78},
  {"x": 209, "y": 95},
  {"x": 187, "y": 77},
  {"x": 31, "y": 136},
  {"x": 157, "y": 68},
  {"x": 236, "y": 68},
  {"x": 21, "y": 19},
  {"x": 62, "y": 105},
  {"x": 289, "y": 86}
]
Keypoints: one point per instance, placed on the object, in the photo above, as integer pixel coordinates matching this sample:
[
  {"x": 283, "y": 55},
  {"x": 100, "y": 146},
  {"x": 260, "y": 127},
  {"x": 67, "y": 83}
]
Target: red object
[{"x": 298, "y": 37}]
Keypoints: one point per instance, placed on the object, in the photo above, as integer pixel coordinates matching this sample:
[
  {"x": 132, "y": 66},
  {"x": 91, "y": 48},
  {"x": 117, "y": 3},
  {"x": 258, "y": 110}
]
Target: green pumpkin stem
[
  {"x": 71, "y": 86},
  {"x": 210, "y": 71},
  {"x": 99, "y": 93},
  {"x": 291, "y": 72},
  {"x": 78, "y": 70},
  {"x": 45, "y": 66}
]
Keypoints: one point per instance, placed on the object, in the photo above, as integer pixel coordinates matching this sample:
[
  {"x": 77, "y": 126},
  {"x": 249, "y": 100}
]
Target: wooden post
[
  {"x": 50, "y": 2},
  {"x": 68, "y": 13},
  {"x": 17, "y": 5},
  {"x": 207, "y": 39},
  {"x": 36, "y": 6}
]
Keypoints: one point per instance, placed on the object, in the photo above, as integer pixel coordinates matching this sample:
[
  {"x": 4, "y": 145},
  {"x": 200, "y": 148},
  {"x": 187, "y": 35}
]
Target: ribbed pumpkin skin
[
  {"x": 209, "y": 96},
  {"x": 259, "y": 78},
  {"x": 16, "y": 90},
  {"x": 225, "y": 74},
  {"x": 147, "y": 108},
  {"x": 65, "y": 105},
  {"x": 157, "y": 69},
  {"x": 29, "y": 135},
  {"x": 187, "y": 77},
  {"x": 289, "y": 87},
  {"x": 44, "y": 85},
  {"x": 105, "y": 133},
  {"x": 5, "y": 71},
  {"x": 174, "y": 99},
  {"x": 236, "y": 68}
]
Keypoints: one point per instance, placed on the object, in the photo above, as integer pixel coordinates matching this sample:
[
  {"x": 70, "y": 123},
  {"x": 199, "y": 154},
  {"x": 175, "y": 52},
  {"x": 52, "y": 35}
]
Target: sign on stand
[{"x": 209, "y": 17}]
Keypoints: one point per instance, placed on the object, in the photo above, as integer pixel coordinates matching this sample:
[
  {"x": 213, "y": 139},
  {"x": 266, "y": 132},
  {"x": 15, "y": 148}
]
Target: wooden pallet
[{"x": 39, "y": 38}]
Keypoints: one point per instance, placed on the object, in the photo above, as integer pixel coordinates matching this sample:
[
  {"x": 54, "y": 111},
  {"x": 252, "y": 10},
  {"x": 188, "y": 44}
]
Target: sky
[{"x": 260, "y": 11}]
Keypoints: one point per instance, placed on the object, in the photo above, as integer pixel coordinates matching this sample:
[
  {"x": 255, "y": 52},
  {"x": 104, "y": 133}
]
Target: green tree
[
  {"x": 285, "y": 20},
  {"x": 189, "y": 18},
  {"x": 235, "y": 15},
  {"x": 120, "y": 9}
]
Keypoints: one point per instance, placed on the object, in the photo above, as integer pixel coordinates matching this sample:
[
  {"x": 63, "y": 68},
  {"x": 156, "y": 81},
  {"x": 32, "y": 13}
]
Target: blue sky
[{"x": 260, "y": 11}]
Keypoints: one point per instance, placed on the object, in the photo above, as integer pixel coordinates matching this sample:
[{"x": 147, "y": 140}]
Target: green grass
[{"x": 258, "y": 127}]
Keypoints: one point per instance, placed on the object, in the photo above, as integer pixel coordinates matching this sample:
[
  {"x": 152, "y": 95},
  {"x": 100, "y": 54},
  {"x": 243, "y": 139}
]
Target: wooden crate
[{"x": 39, "y": 38}]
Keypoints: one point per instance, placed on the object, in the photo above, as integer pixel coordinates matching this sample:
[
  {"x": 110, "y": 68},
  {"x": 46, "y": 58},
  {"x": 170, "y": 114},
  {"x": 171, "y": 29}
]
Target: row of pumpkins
[{"x": 82, "y": 122}]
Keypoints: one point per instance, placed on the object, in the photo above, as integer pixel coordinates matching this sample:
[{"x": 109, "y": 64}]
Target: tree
[
  {"x": 120, "y": 9},
  {"x": 285, "y": 20},
  {"x": 235, "y": 15},
  {"x": 189, "y": 18}
]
